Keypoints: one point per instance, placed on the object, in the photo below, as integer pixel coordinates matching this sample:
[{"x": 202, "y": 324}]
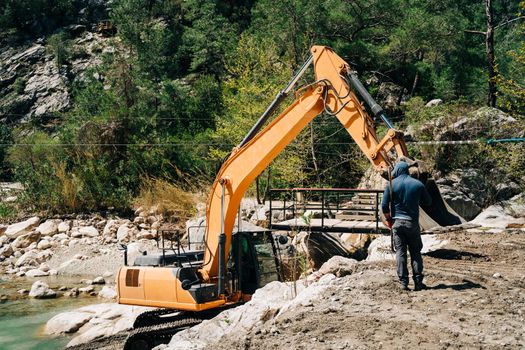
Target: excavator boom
[{"x": 331, "y": 93}]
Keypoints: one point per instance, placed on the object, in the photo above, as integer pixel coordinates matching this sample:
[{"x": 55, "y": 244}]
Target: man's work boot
[
  {"x": 420, "y": 286},
  {"x": 403, "y": 287}
]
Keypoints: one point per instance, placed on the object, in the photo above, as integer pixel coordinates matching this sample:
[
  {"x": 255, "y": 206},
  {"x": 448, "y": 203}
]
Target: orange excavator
[{"x": 199, "y": 284}]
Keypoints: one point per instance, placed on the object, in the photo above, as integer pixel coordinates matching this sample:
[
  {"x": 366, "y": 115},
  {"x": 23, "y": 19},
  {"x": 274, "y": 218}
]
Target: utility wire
[{"x": 193, "y": 143}]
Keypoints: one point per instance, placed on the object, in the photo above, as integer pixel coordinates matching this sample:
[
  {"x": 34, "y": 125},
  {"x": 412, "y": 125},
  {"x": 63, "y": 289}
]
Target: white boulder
[
  {"x": 64, "y": 226},
  {"x": 48, "y": 228},
  {"x": 29, "y": 258},
  {"x": 21, "y": 228},
  {"x": 123, "y": 233},
  {"x": 86, "y": 290},
  {"x": 67, "y": 322},
  {"x": 108, "y": 319},
  {"x": 36, "y": 273},
  {"x": 99, "y": 280},
  {"x": 43, "y": 244},
  {"x": 135, "y": 249},
  {"x": 86, "y": 231},
  {"x": 40, "y": 290},
  {"x": 107, "y": 293},
  {"x": 502, "y": 214},
  {"x": 379, "y": 249},
  {"x": 338, "y": 266},
  {"x": 434, "y": 102}
]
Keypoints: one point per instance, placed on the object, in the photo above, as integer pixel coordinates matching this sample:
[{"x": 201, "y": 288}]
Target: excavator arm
[{"x": 331, "y": 93}]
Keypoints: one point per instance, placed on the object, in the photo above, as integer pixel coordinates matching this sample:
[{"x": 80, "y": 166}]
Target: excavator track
[
  {"x": 146, "y": 338},
  {"x": 145, "y": 334},
  {"x": 150, "y": 329}
]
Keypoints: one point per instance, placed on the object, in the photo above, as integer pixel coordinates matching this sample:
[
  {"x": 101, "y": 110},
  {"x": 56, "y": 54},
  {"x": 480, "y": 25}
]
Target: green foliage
[
  {"x": 59, "y": 46},
  {"x": 19, "y": 85},
  {"x": 188, "y": 79},
  {"x": 36, "y": 15},
  {"x": 36, "y": 162},
  {"x": 6, "y": 211},
  {"x": 6, "y": 139},
  {"x": 511, "y": 86}
]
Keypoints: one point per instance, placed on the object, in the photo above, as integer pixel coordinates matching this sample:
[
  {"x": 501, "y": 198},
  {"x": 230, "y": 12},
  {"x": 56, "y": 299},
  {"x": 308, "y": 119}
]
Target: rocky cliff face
[{"x": 34, "y": 86}]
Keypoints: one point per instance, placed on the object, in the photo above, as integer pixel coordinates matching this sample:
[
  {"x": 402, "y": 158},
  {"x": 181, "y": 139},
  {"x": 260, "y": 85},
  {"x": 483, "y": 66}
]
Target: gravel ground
[{"x": 475, "y": 300}]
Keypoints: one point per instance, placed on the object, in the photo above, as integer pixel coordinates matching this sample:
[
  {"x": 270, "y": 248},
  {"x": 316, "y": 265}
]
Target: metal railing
[{"x": 326, "y": 201}]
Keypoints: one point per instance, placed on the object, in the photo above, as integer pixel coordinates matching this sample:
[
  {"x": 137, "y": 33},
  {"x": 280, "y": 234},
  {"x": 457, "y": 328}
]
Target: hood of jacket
[{"x": 401, "y": 168}]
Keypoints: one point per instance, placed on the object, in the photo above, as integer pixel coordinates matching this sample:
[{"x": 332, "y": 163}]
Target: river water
[{"x": 22, "y": 321}]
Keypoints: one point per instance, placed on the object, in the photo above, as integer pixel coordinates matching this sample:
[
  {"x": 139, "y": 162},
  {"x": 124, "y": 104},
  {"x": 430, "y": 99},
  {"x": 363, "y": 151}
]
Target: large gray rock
[
  {"x": 466, "y": 191},
  {"x": 48, "y": 228},
  {"x": 48, "y": 86},
  {"x": 36, "y": 273},
  {"x": 107, "y": 293},
  {"x": 67, "y": 322},
  {"x": 26, "y": 240},
  {"x": 338, "y": 266},
  {"x": 107, "y": 319},
  {"x": 40, "y": 290},
  {"x": 15, "y": 230},
  {"x": 123, "y": 233},
  {"x": 28, "y": 258},
  {"x": 86, "y": 231}
]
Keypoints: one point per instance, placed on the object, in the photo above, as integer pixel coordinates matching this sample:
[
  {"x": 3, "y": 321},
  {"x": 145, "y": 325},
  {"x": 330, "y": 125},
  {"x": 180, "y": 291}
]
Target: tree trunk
[
  {"x": 491, "y": 60},
  {"x": 416, "y": 78}
]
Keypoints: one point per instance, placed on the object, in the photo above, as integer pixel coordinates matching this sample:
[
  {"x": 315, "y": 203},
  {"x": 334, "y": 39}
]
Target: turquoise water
[{"x": 22, "y": 321}]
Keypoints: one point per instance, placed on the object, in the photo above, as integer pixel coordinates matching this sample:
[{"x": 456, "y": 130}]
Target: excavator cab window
[
  {"x": 266, "y": 258},
  {"x": 243, "y": 263},
  {"x": 252, "y": 262}
]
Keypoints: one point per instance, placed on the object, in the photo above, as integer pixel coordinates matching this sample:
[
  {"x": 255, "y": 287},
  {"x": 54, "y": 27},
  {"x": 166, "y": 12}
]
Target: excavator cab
[{"x": 252, "y": 263}]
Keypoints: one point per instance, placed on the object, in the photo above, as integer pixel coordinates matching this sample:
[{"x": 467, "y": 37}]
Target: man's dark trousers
[{"x": 407, "y": 233}]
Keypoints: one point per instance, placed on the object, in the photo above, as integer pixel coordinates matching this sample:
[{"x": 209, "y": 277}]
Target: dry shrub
[
  {"x": 69, "y": 186},
  {"x": 163, "y": 197}
]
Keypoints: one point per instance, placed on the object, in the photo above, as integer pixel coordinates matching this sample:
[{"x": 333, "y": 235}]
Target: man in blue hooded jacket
[{"x": 408, "y": 194}]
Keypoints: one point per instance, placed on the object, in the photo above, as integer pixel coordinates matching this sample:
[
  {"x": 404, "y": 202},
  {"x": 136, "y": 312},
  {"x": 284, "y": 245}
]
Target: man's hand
[{"x": 389, "y": 222}]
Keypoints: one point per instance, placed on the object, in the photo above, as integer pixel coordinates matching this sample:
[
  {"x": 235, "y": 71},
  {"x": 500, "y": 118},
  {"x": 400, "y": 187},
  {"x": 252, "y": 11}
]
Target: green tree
[
  {"x": 511, "y": 86},
  {"x": 59, "y": 47}
]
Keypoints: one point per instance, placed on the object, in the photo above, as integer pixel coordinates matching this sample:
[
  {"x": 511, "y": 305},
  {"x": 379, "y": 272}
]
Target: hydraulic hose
[
  {"x": 374, "y": 107},
  {"x": 276, "y": 102}
]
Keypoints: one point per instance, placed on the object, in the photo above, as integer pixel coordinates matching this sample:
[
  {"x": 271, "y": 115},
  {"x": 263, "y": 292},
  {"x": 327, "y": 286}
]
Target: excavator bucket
[{"x": 439, "y": 211}]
